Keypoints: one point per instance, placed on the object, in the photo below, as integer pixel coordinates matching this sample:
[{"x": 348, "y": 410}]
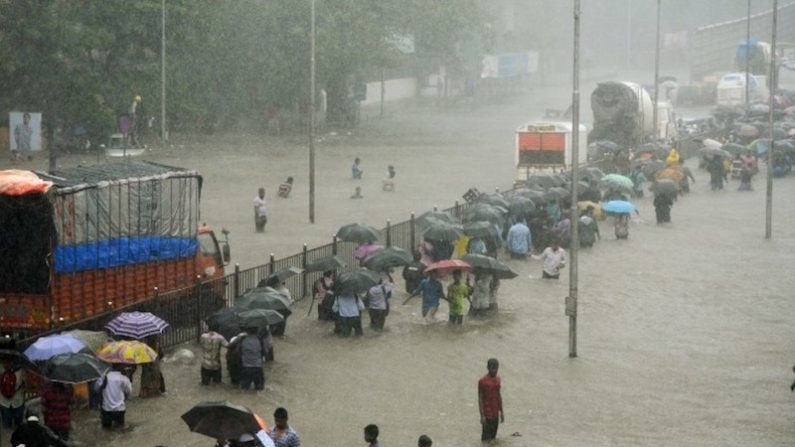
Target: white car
[{"x": 731, "y": 89}]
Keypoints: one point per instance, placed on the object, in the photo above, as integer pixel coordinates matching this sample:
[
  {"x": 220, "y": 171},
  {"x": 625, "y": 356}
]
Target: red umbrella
[{"x": 447, "y": 266}]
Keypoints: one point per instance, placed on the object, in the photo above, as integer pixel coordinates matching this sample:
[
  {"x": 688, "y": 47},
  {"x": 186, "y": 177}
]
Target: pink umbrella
[
  {"x": 364, "y": 250},
  {"x": 447, "y": 266}
]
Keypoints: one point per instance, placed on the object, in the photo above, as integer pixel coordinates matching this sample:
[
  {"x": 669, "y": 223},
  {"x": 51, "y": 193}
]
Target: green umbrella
[
  {"x": 357, "y": 232},
  {"x": 325, "y": 263},
  {"x": 386, "y": 258},
  {"x": 260, "y": 318},
  {"x": 490, "y": 265}
]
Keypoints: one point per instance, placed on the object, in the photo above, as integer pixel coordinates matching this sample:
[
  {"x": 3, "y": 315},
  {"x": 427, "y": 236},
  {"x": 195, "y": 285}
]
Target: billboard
[{"x": 509, "y": 65}]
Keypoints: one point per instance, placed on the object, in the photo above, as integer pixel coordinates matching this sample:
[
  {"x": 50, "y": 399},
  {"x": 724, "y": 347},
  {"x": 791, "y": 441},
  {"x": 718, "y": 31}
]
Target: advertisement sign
[{"x": 24, "y": 131}]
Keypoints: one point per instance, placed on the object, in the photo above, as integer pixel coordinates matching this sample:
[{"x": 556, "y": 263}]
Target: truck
[
  {"x": 755, "y": 55},
  {"x": 623, "y": 114},
  {"x": 80, "y": 241},
  {"x": 731, "y": 89},
  {"x": 546, "y": 147}
]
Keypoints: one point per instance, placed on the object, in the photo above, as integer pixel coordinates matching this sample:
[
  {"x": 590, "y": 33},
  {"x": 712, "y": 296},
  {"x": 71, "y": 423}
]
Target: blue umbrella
[
  {"x": 48, "y": 347},
  {"x": 618, "y": 206}
]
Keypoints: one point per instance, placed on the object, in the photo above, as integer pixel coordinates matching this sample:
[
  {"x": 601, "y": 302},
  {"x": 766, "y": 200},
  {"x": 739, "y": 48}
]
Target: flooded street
[{"x": 685, "y": 329}]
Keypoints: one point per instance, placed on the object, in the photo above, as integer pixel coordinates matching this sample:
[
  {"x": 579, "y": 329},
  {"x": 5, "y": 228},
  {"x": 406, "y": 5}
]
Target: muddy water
[{"x": 684, "y": 331}]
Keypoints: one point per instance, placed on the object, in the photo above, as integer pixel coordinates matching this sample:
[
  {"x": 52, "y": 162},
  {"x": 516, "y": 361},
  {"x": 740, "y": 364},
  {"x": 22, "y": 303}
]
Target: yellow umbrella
[
  {"x": 129, "y": 352},
  {"x": 597, "y": 209}
]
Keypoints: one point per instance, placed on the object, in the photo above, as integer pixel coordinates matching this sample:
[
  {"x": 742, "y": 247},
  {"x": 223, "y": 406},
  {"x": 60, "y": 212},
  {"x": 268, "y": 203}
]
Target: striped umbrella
[
  {"x": 129, "y": 352},
  {"x": 136, "y": 325}
]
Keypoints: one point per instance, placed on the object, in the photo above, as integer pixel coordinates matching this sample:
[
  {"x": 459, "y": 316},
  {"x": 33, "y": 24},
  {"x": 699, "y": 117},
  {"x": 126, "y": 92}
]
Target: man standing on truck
[{"x": 260, "y": 211}]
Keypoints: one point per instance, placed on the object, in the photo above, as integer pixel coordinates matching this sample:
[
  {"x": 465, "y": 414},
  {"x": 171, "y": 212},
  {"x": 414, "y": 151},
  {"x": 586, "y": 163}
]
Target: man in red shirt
[{"x": 490, "y": 401}]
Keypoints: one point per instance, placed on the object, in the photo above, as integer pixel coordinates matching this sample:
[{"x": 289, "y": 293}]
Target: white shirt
[
  {"x": 116, "y": 391},
  {"x": 553, "y": 260},
  {"x": 260, "y": 206}
]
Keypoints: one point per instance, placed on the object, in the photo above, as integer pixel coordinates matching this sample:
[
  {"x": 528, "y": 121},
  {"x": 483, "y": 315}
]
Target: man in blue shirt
[
  {"x": 349, "y": 307},
  {"x": 432, "y": 292},
  {"x": 519, "y": 240}
]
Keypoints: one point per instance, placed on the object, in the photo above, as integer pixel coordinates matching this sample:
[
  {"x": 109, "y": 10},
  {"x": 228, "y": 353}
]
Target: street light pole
[
  {"x": 656, "y": 72},
  {"x": 312, "y": 116},
  {"x": 571, "y": 300},
  {"x": 163, "y": 135},
  {"x": 773, "y": 82},
  {"x": 748, "y": 58}
]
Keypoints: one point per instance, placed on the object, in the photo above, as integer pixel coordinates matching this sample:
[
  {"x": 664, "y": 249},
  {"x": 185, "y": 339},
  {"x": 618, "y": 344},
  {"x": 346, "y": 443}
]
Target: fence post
[
  {"x": 304, "y": 273},
  {"x": 334, "y": 245},
  {"x": 457, "y": 209},
  {"x": 388, "y": 233},
  {"x": 412, "y": 233},
  {"x": 199, "y": 307},
  {"x": 237, "y": 286},
  {"x": 271, "y": 264},
  {"x": 435, "y": 208},
  {"x": 496, "y": 190}
]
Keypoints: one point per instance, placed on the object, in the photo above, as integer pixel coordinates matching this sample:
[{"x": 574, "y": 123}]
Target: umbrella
[
  {"x": 47, "y": 347},
  {"x": 442, "y": 232},
  {"x": 447, "y": 266},
  {"x": 748, "y": 130},
  {"x": 618, "y": 180},
  {"x": 593, "y": 172},
  {"x": 226, "y": 322},
  {"x": 785, "y": 145},
  {"x": 604, "y": 146},
  {"x": 712, "y": 143},
  {"x": 358, "y": 281},
  {"x": 357, "y": 232},
  {"x": 222, "y": 420},
  {"x": 17, "y": 359},
  {"x": 280, "y": 276},
  {"x": 364, "y": 250},
  {"x": 325, "y": 263},
  {"x": 128, "y": 352},
  {"x": 494, "y": 200},
  {"x": 664, "y": 186},
  {"x": 619, "y": 207},
  {"x": 533, "y": 194},
  {"x": 137, "y": 325},
  {"x": 260, "y": 318},
  {"x": 74, "y": 368},
  {"x": 542, "y": 179},
  {"x": 491, "y": 265},
  {"x": 760, "y": 146},
  {"x": 711, "y": 152},
  {"x": 778, "y": 133},
  {"x": 92, "y": 339},
  {"x": 387, "y": 258},
  {"x": 521, "y": 205},
  {"x": 480, "y": 228},
  {"x": 262, "y": 298},
  {"x": 430, "y": 217},
  {"x": 556, "y": 193},
  {"x": 483, "y": 211}
]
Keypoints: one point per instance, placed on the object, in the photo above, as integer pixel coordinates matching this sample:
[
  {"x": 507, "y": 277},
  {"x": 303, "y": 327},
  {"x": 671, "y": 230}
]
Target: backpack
[{"x": 8, "y": 384}]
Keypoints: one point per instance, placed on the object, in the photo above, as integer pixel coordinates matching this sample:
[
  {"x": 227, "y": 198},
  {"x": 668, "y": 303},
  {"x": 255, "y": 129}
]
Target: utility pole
[
  {"x": 656, "y": 72},
  {"x": 312, "y": 116},
  {"x": 163, "y": 133},
  {"x": 571, "y": 300},
  {"x": 748, "y": 58},
  {"x": 772, "y": 103}
]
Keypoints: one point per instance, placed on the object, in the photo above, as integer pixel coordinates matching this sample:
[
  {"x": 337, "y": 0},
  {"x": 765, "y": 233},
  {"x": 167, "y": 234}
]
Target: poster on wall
[{"x": 24, "y": 132}]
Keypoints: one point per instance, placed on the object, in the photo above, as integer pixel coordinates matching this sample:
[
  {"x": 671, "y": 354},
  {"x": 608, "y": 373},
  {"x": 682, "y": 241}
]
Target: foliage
[{"x": 230, "y": 64}]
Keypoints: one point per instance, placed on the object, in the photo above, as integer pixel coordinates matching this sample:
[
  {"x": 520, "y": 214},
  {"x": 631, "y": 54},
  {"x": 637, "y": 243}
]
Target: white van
[{"x": 731, "y": 89}]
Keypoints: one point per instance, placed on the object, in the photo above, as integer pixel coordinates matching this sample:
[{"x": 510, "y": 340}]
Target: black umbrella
[
  {"x": 543, "y": 180},
  {"x": 664, "y": 186},
  {"x": 358, "y": 281},
  {"x": 441, "y": 231},
  {"x": 387, "y": 258},
  {"x": 357, "y": 232},
  {"x": 533, "y": 194},
  {"x": 262, "y": 298},
  {"x": 484, "y": 211},
  {"x": 734, "y": 148},
  {"x": 493, "y": 200},
  {"x": 74, "y": 368},
  {"x": 226, "y": 322},
  {"x": 325, "y": 263},
  {"x": 521, "y": 205},
  {"x": 279, "y": 277},
  {"x": 491, "y": 265},
  {"x": 260, "y": 318},
  {"x": 556, "y": 193},
  {"x": 604, "y": 146},
  {"x": 480, "y": 228},
  {"x": 430, "y": 217},
  {"x": 17, "y": 359},
  {"x": 221, "y": 420}
]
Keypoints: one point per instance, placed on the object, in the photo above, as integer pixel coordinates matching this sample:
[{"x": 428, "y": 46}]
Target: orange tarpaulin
[{"x": 16, "y": 182}]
